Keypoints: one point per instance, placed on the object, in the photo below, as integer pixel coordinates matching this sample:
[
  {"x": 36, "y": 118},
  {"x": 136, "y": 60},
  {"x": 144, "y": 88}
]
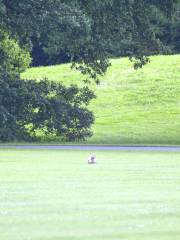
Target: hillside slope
[{"x": 132, "y": 107}]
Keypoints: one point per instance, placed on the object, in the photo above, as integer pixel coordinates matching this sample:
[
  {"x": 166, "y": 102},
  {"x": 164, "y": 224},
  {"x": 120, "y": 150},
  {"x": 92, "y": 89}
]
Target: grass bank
[{"x": 132, "y": 107}]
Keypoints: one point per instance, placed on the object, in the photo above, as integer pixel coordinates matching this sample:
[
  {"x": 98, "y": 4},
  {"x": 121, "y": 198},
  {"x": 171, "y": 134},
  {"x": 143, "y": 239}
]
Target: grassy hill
[{"x": 132, "y": 106}]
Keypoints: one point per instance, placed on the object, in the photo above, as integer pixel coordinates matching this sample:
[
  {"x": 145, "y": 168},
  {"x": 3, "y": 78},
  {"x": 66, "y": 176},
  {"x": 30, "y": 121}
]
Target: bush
[
  {"x": 30, "y": 110},
  {"x": 13, "y": 59},
  {"x": 30, "y": 107}
]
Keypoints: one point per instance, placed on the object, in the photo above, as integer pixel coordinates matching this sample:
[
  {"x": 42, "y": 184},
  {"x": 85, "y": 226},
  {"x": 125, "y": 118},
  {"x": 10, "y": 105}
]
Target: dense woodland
[
  {"x": 165, "y": 28},
  {"x": 85, "y": 33}
]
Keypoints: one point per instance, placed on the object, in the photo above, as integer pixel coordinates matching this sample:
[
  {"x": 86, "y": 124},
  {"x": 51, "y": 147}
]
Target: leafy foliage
[
  {"x": 84, "y": 32},
  {"x": 28, "y": 107},
  {"x": 118, "y": 28},
  {"x": 13, "y": 59},
  {"x": 168, "y": 30}
]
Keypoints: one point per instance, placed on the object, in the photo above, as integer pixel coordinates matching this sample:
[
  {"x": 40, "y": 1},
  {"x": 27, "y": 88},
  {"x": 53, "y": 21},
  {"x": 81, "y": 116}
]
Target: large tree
[
  {"x": 167, "y": 29},
  {"x": 29, "y": 109},
  {"x": 116, "y": 39},
  {"x": 84, "y": 30}
]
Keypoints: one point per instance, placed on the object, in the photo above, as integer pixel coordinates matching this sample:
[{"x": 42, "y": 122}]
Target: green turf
[
  {"x": 56, "y": 195},
  {"x": 141, "y": 107}
]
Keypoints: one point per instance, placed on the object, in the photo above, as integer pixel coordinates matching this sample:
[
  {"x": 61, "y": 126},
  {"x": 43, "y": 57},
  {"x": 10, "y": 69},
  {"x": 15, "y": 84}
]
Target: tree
[
  {"x": 83, "y": 29},
  {"x": 29, "y": 107},
  {"x": 167, "y": 29},
  {"x": 86, "y": 30},
  {"x": 13, "y": 59}
]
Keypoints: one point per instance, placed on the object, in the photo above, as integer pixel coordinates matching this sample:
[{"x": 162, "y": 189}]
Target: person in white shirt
[{"x": 92, "y": 159}]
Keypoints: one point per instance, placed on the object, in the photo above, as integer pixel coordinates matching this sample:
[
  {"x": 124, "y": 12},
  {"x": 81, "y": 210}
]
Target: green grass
[
  {"x": 132, "y": 107},
  {"x": 56, "y": 195}
]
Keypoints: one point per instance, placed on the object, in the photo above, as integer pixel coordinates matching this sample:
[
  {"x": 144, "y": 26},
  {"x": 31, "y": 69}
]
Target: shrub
[
  {"x": 13, "y": 59},
  {"x": 27, "y": 107}
]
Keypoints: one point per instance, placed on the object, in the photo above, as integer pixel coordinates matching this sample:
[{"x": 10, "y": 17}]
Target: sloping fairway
[
  {"x": 132, "y": 106},
  {"x": 56, "y": 195}
]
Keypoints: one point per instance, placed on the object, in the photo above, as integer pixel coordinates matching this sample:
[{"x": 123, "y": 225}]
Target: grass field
[
  {"x": 132, "y": 107},
  {"x": 56, "y": 195}
]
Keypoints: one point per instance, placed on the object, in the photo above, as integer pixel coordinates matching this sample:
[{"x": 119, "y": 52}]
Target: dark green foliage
[
  {"x": 113, "y": 28},
  {"x": 85, "y": 32},
  {"x": 29, "y": 107},
  {"x": 167, "y": 29},
  {"x": 42, "y": 58}
]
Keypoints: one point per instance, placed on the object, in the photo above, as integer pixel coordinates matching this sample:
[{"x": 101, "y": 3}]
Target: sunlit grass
[
  {"x": 132, "y": 106},
  {"x": 56, "y": 195}
]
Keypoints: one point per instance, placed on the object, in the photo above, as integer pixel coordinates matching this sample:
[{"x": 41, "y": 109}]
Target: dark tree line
[
  {"x": 167, "y": 29},
  {"x": 164, "y": 22},
  {"x": 83, "y": 32}
]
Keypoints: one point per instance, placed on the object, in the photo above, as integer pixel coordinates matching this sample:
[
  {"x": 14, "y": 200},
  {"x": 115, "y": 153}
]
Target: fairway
[{"x": 56, "y": 195}]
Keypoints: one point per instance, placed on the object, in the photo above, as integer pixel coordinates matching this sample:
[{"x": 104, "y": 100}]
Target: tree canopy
[{"x": 85, "y": 32}]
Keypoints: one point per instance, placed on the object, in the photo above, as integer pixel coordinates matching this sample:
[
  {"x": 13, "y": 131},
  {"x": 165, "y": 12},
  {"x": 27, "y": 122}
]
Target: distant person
[{"x": 92, "y": 159}]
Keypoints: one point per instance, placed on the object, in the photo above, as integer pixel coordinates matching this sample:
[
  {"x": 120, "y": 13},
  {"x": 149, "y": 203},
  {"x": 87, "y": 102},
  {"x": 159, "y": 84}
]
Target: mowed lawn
[
  {"x": 132, "y": 106},
  {"x": 56, "y": 195}
]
